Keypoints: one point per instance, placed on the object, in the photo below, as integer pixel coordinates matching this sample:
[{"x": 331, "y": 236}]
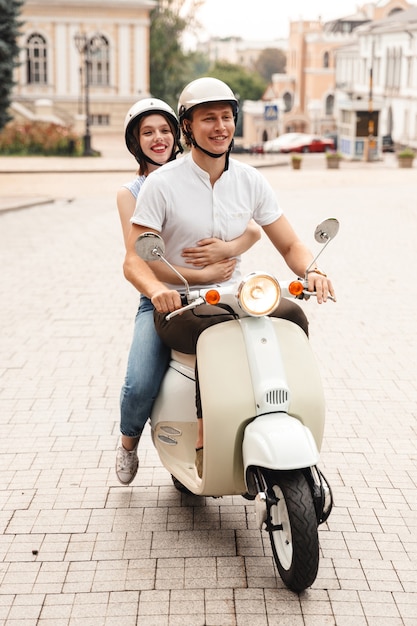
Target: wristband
[{"x": 317, "y": 271}]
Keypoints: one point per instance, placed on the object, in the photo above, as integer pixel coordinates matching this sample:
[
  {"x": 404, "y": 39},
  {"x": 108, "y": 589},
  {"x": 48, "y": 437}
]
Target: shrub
[
  {"x": 407, "y": 153},
  {"x": 39, "y": 138}
]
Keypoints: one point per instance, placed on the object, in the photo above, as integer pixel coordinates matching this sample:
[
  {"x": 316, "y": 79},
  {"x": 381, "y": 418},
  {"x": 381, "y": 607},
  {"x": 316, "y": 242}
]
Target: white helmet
[
  {"x": 203, "y": 90},
  {"x": 148, "y": 106}
]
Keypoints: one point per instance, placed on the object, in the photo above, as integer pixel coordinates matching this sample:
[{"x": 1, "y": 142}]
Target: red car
[
  {"x": 256, "y": 148},
  {"x": 309, "y": 143}
]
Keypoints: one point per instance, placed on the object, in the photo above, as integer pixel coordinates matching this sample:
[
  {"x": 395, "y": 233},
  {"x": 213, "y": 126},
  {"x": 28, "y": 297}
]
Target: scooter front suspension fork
[{"x": 264, "y": 499}]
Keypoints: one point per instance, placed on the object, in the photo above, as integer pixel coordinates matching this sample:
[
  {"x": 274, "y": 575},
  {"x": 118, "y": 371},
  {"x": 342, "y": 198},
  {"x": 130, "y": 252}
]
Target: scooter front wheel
[{"x": 292, "y": 526}]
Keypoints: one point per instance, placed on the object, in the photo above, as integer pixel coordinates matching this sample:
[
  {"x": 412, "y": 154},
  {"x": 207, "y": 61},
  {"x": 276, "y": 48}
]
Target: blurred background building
[
  {"x": 331, "y": 63},
  {"x": 354, "y": 77},
  {"x": 80, "y": 53}
]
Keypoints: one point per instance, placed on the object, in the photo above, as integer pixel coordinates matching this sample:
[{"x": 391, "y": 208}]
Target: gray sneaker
[{"x": 127, "y": 464}]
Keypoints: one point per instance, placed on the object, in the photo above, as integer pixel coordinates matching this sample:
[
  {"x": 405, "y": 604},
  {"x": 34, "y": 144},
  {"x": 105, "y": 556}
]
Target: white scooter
[{"x": 263, "y": 408}]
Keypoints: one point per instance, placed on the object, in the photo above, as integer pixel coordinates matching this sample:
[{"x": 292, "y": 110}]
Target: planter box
[
  {"x": 296, "y": 164},
  {"x": 405, "y": 161},
  {"x": 332, "y": 163}
]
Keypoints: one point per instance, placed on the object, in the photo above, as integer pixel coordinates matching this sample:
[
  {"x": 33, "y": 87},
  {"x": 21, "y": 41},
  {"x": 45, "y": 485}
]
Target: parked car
[
  {"x": 238, "y": 148},
  {"x": 256, "y": 148},
  {"x": 332, "y": 136},
  {"x": 387, "y": 144},
  {"x": 309, "y": 143},
  {"x": 275, "y": 145}
]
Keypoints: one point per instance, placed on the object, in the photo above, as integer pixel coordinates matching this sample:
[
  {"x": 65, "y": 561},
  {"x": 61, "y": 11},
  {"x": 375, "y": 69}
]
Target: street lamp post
[
  {"x": 371, "y": 124},
  {"x": 86, "y": 46}
]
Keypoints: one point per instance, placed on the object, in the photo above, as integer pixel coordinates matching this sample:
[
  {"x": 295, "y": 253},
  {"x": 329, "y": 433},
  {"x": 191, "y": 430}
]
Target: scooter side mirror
[
  {"x": 326, "y": 230},
  {"x": 150, "y": 246},
  {"x": 324, "y": 233}
]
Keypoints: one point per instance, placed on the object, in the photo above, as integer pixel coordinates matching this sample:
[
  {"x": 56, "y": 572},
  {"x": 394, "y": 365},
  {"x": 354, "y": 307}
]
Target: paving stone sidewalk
[
  {"x": 44, "y": 175},
  {"x": 77, "y": 548}
]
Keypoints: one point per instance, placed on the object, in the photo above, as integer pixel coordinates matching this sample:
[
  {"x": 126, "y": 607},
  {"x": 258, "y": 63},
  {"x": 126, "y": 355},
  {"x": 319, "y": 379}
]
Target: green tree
[
  {"x": 9, "y": 31},
  {"x": 170, "y": 67},
  {"x": 271, "y": 61},
  {"x": 245, "y": 84}
]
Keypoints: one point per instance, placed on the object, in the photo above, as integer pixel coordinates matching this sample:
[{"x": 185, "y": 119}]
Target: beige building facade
[
  {"x": 305, "y": 95},
  {"x": 51, "y": 79}
]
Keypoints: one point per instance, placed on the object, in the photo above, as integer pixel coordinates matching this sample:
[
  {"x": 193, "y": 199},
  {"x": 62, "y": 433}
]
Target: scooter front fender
[{"x": 278, "y": 441}]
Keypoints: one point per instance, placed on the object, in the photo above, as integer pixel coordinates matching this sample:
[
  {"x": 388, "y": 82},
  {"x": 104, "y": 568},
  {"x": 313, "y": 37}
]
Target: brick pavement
[{"x": 76, "y": 548}]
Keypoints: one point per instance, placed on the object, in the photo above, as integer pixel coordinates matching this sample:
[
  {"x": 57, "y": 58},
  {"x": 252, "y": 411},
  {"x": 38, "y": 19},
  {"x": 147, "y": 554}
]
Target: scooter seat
[{"x": 184, "y": 359}]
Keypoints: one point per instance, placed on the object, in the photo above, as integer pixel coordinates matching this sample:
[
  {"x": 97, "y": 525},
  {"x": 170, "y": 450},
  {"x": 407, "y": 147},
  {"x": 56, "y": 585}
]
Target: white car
[{"x": 275, "y": 145}]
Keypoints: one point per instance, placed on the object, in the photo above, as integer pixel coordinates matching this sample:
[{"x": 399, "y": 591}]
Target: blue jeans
[{"x": 146, "y": 366}]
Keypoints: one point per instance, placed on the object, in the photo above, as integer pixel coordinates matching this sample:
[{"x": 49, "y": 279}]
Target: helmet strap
[
  {"x": 149, "y": 160},
  {"x": 210, "y": 154},
  {"x": 173, "y": 156}
]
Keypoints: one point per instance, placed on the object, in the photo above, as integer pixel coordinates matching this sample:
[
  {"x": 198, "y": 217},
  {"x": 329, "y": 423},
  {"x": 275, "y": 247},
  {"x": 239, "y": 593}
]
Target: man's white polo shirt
[{"x": 179, "y": 202}]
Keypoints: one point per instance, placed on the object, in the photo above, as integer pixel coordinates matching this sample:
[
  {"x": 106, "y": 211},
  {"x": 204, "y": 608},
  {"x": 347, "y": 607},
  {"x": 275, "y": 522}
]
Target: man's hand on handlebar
[
  {"x": 166, "y": 300},
  {"x": 322, "y": 287}
]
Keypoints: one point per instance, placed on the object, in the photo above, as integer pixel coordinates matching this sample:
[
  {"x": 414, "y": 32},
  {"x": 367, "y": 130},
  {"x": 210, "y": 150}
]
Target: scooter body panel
[
  {"x": 234, "y": 392},
  {"x": 173, "y": 420}
]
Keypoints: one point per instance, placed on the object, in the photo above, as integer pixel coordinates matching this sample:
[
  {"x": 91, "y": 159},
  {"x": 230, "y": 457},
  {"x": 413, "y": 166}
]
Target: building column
[
  {"x": 141, "y": 51},
  {"x": 123, "y": 59}
]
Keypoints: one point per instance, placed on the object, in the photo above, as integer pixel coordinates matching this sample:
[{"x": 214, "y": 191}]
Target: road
[{"x": 78, "y": 548}]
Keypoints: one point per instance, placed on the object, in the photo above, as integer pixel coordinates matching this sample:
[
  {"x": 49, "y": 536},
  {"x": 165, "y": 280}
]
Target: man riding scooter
[{"x": 208, "y": 194}]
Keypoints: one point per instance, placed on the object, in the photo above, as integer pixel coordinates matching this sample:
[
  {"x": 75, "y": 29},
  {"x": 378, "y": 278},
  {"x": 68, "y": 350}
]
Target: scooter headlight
[{"x": 259, "y": 294}]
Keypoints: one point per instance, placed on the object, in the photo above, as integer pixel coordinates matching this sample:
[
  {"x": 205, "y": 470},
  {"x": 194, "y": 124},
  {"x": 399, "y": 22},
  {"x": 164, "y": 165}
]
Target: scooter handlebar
[
  {"x": 228, "y": 296},
  {"x": 188, "y": 307}
]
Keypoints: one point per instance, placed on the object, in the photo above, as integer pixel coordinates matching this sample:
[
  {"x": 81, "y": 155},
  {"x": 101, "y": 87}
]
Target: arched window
[
  {"x": 329, "y": 105},
  {"x": 36, "y": 60},
  {"x": 395, "y": 10},
  {"x": 287, "y": 98},
  {"x": 326, "y": 59},
  {"x": 100, "y": 61}
]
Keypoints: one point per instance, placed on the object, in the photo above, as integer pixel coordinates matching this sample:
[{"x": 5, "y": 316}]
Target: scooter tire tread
[{"x": 305, "y": 558}]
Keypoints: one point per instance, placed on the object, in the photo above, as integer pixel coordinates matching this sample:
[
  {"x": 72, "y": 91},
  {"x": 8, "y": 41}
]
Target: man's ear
[{"x": 186, "y": 130}]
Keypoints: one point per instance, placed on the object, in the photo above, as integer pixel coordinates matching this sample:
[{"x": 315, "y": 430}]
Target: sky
[{"x": 266, "y": 19}]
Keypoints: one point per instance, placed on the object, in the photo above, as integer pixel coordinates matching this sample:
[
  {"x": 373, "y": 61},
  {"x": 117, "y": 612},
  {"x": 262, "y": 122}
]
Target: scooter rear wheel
[
  {"x": 292, "y": 527},
  {"x": 178, "y": 485}
]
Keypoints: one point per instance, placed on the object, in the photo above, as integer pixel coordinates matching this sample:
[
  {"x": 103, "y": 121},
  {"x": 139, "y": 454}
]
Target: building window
[
  {"x": 377, "y": 71},
  {"x": 329, "y": 105},
  {"x": 36, "y": 60},
  {"x": 406, "y": 128},
  {"x": 326, "y": 59},
  {"x": 364, "y": 72},
  {"x": 393, "y": 72},
  {"x": 288, "y": 101},
  {"x": 410, "y": 71},
  {"x": 100, "y": 119},
  {"x": 100, "y": 62},
  {"x": 398, "y": 64},
  {"x": 346, "y": 117}
]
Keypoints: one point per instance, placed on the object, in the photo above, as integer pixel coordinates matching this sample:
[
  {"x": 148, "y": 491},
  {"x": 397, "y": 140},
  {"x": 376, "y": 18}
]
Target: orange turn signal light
[
  {"x": 296, "y": 288},
  {"x": 212, "y": 296}
]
